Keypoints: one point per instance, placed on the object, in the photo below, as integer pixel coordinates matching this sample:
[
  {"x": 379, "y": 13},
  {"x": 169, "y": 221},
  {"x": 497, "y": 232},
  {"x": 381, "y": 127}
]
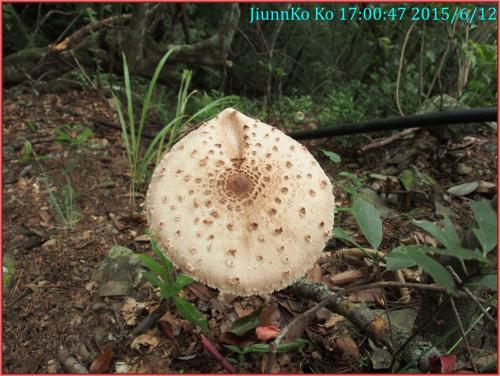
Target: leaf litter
[{"x": 101, "y": 178}]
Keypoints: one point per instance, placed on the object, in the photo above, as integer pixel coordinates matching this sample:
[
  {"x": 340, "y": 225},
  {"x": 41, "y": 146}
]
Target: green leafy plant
[
  {"x": 139, "y": 161},
  {"x": 356, "y": 183},
  {"x": 161, "y": 275},
  {"x": 334, "y": 157},
  {"x": 74, "y": 135},
  {"x": 262, "y": 348},
  {"x": 370, "y": 224},
  {"x": 26, "y": 152},
  {"x": 411, "y": 255},
  {"x": 368, "y": 219}
]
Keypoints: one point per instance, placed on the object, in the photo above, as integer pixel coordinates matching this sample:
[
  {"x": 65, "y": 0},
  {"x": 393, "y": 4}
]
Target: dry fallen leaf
[
  {"x": 368, "y": 295},
  {"x": 147, "y": 339},
  {"x": 333, "y": 320},
  {"x": 241, "y": 311},
  {"x": 143, "y": 238},
  {"x": 314, "y": 275},
  {"x": 346, "y": 348},
  {"x": 44, "y": 216},
  {"x": 130, "y": 309},
  {"x": 270, "y": 315},
  {"x": 348, "y": 276},
  {"x": 201, "y": 291},
  {"x": 486, "y": 187},
  {"x": 233, "y": 339},
  {"x": 102, "y": 362}
]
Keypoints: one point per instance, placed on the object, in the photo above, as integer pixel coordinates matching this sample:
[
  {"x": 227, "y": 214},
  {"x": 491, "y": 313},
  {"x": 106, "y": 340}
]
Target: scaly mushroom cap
[{"x": 240, "y": 206}]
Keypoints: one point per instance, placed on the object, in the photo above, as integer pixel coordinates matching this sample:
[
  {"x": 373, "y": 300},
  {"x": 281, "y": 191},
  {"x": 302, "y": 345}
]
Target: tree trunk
[{"x": 143, "y": 53}]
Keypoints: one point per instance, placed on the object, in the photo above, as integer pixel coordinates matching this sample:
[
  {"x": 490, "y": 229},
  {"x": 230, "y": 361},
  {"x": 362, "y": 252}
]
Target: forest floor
[{"x": 51, "y": 301}]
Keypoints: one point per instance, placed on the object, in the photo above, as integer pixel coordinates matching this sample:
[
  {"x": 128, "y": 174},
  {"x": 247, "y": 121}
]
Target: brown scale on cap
[{"x": 242, "y": 183}]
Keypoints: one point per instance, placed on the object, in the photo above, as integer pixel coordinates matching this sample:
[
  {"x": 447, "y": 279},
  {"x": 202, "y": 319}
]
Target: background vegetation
[{"x": 301, "y": 72}]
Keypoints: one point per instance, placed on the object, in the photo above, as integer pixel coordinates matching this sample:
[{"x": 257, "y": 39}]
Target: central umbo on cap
[{"x": 240, "y": 206}]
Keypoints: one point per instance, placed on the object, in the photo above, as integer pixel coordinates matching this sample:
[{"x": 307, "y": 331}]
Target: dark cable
[{"x": 477, "y": 115}]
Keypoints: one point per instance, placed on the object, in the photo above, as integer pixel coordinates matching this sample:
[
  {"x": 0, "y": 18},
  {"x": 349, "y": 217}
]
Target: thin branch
[
  {"x": 464, "y": 336},
  {"x": 207, "y": 345},
  {"x": 471, "y": 296},
  {"x": 387, "y": 140},
  {"x": 332, "y": 299},
  {"x": 441, "y": 64},
  {"x": 401, "y": 58}
]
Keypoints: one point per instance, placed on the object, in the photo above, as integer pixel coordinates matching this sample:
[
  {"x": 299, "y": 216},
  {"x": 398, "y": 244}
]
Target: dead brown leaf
[
  {"x": 242, "y": 311},
  {"x": 44, "y": 216},
  {"x": 486, "y": 187},
  {"x": 347, "y": 277},
  {"x": 130, "y": 309},
  {"x": 333, "y": 320},
  {"x": 315, "y": 274},
  {"x": 369, "y": 295},
  {"x": 346, "y": 348},
  {"x": 143, "y": 238},
  {"x": 233, "y": 339},
  {"x": 147, "y": 339},
  {"x": 102, "y": 362},
  {"x": 201, "y": 291},
  {"x": 270, "y": 315}
]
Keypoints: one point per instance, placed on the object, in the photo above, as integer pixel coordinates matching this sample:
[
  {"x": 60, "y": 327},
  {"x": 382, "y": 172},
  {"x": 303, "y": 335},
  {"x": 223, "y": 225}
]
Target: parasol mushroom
[{"x": 240, "y": 206}]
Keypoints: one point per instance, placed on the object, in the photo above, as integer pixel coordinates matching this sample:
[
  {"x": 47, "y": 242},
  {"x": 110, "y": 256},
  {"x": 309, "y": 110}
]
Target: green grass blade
[
  {"x": 154, "y": 266},
  {"x": 130, "y": 107},
  {"x": 166, "y": 262},
  {"x": 153, "y": 279},
  {"x": 190, "y": 313},
  {"x": 123, "y": 125},
  {"x": 149, "y": 94},
  {"x": 181, "y": 281}
]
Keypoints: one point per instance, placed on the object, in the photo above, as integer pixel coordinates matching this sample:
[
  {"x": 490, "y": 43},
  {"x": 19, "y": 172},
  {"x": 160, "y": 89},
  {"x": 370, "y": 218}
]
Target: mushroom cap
[{"x": 240, "y": 206}]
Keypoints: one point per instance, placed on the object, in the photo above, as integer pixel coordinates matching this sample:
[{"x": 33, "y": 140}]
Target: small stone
[
  {"x": 49, "y": 243},
  {"x": 115, "y": 288},
  {"x": 91, "y": 286},
  {"x": 52, "y": 366},
  {"x": 98, "y": 306},
  {"x": 464, "y": 169},
  {"x": 100, "y": 334}
]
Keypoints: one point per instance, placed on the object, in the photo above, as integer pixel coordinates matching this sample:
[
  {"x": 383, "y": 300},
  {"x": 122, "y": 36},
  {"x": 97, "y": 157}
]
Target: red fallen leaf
[
  {"x": 166, "y": 328},
  {"x": 102, "y": 362},
  {"x": 266, "y": 333},
  {"x": 442, "y": 363}
]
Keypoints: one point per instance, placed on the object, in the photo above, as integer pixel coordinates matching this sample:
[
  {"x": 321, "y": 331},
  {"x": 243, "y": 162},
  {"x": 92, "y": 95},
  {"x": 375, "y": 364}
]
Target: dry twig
[
  {"x": 387, "y": 140},
  {"x": 207, "y": 345},
  {"x": 464, "y": 335},
  {"x": 471, "y": 296},
  {"x": 373, "y": 325}
]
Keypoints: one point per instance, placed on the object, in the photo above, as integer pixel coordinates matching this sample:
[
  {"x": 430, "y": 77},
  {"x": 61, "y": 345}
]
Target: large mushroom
[{"x": 240, "y": 206}]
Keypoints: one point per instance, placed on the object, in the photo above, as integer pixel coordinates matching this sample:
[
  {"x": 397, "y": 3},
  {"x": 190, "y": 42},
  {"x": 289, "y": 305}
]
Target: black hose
[{"x": 477, "y": 115}]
